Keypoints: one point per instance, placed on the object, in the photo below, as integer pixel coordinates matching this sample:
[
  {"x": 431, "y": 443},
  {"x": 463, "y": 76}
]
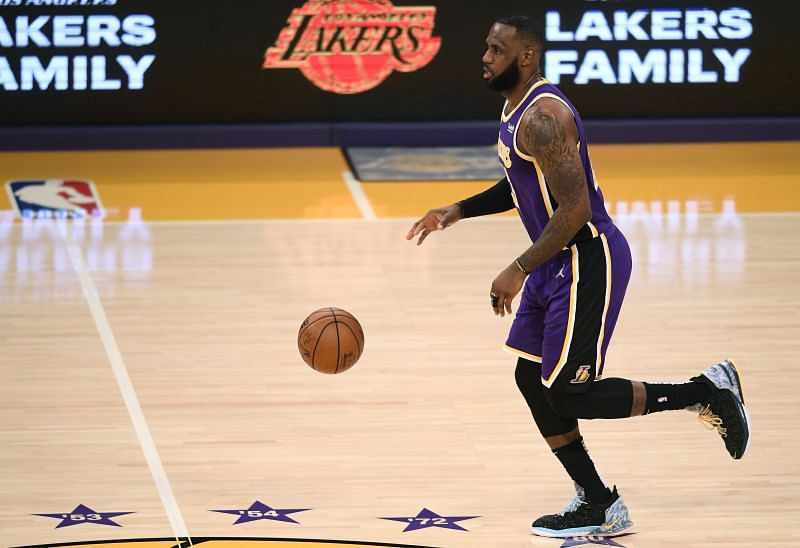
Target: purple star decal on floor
[
  {"x": 258, "y": 510},
  {"x": 428, "y": 518},
  {"x": 84, "y": 514}
]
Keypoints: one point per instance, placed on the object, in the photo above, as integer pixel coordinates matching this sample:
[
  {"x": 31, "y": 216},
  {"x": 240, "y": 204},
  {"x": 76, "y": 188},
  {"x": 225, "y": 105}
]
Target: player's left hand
[{"x": 504, "y": 288}]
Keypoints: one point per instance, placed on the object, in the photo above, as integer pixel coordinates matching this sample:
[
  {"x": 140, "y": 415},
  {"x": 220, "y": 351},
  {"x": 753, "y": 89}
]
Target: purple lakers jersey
[{"x": 529, "y": 188}]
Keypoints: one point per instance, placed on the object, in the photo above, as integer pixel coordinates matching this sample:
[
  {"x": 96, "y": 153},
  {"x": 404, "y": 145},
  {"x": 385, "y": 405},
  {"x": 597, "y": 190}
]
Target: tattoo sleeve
[{"x": 545, "y": 137}]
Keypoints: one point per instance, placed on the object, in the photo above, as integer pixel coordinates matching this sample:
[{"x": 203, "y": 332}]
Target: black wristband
[{"x": 492, "y": 200}]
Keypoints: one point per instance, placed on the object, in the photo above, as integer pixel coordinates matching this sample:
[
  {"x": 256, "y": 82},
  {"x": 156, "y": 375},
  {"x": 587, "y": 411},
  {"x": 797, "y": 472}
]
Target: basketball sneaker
[
  {"x": 580, "y": 496},
  {"x": 585, "y": 518},
  {"x": 725, "y": 410}
]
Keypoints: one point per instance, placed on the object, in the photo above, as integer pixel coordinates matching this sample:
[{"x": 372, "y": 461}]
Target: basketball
[{"x": 330, "y": 340}]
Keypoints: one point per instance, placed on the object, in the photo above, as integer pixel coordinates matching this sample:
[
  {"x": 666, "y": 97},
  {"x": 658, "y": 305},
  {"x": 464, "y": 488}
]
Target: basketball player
[{"x": 573, "y": 280}]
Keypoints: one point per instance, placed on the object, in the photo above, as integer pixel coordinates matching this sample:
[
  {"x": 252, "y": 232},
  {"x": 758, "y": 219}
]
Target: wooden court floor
[{"x": 149, "y": 372}]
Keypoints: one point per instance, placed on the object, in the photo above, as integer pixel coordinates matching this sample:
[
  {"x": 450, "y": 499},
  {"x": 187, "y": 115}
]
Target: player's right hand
[{"x": 435, "y": 219}]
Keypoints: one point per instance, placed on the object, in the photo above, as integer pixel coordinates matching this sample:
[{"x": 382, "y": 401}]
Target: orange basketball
[{"x": 330, "y": 340}]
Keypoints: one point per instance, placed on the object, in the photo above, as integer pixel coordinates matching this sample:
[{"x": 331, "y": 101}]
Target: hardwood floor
[{"x": 205, "y": 317}]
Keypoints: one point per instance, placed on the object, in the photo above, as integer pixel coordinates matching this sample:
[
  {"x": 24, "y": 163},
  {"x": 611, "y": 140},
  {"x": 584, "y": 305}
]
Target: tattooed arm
[{"x": 549, "y": 134}]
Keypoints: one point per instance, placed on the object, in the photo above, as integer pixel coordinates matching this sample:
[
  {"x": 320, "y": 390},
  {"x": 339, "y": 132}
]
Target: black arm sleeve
[{"x": 492, "y": 200}]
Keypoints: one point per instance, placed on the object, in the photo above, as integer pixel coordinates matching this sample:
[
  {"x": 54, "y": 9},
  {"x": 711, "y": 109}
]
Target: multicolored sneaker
[
  {"x": 725, "y": 410},
  {"x": 584, "y": 518},
  {"x": 580, "y": 496}
]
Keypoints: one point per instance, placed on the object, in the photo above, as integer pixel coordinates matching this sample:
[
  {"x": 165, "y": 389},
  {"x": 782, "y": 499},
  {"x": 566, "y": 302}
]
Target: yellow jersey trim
[
  {"x": 516, "y": 129},
  {"x": 609, "y": 273},
  {"x": 506, "y": 117},
  {"x": 543, "y": 188},
  {"x": 539, "y": 173},
  {"x": 522, "y": 354}
]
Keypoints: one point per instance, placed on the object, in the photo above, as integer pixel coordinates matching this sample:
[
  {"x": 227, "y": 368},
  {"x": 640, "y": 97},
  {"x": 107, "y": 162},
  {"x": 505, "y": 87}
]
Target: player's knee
[
  {"x": 567, "y": 395},
  {"x": 519, "y": 376},
  {"x": 558, "y": 401},
  {"x": 564, "y": 403},
  {"x": 528, "y": 376}
]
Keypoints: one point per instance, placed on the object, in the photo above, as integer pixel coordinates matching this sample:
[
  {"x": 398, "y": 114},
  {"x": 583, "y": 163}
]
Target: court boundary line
[
  {"x": 357, "y": 192},
  {"x": 125, "y": 386},
  {"x": 485, "y": 219}
]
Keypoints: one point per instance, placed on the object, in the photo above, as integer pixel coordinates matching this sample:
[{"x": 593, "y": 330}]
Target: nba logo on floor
[{"x": 55, "y": 199}]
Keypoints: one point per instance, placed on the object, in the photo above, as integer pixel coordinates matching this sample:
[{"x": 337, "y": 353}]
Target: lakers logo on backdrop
[{"x": 350, "y": 46}]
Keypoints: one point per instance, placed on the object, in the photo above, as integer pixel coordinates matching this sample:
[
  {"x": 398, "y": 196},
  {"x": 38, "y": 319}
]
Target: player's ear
[{"x": 529, "y": 55}]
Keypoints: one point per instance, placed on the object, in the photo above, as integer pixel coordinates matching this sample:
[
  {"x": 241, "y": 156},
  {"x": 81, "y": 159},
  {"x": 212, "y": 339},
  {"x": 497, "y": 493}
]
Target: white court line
[
  {"x": 125, "y": 386},
  {"x": 339, "y": 220},
  {"x": 358, "y": 195}
]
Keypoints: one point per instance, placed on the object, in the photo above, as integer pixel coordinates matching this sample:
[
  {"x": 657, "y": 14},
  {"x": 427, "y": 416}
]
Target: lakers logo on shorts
[{"x": 582, "y": 374}]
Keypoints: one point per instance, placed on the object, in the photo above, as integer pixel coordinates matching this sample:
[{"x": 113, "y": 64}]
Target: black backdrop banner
[{"x": 90, "y": 62}]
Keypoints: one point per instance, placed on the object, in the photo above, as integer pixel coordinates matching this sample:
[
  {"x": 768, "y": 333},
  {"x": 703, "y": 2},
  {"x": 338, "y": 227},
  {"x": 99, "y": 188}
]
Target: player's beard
[{"x": 506, "y": 79}]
